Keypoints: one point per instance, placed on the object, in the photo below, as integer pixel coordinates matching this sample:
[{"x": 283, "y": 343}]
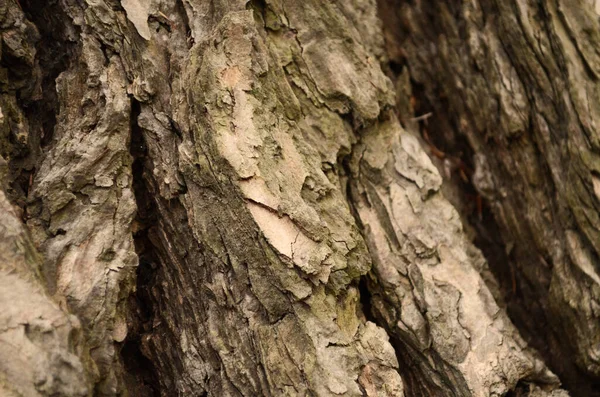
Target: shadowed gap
[{"x": 141, "y": 374}]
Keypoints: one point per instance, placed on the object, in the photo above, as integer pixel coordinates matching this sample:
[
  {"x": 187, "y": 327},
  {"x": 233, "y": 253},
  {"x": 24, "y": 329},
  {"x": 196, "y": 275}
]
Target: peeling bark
[
  {"x": 226, "y": 204},
  {"x": 517, "y": 80}
]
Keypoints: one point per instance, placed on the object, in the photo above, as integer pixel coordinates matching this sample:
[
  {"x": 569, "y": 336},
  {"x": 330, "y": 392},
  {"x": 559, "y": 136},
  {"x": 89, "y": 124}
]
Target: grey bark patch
[{"x": 138, "y": 12}]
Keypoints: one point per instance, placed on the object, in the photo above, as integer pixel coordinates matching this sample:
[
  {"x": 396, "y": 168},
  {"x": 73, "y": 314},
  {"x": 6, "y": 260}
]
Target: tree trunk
[
  {"x": 513, "y": 91},
  {"x": 232, "y": 198}
]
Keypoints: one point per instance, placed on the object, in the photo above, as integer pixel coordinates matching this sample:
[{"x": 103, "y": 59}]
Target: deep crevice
[
  {"x": 365, "y": 300},
  {"x": 141, "y": 375}
]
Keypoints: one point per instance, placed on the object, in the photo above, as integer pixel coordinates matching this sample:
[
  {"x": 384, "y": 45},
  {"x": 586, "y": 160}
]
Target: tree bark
[
  {"x": 232, "y": 199},
  {"x": 512, "y": 87}
]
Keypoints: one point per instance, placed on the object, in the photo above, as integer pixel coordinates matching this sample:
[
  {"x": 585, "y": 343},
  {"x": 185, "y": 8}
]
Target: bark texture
[
  {"x": 513, "y": 85},
  {"x": 226, "y": 204},
  {"x": 36, "y": 337}
]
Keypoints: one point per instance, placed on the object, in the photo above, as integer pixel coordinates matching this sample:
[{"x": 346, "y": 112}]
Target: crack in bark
[{"x": 141, "y": 373}]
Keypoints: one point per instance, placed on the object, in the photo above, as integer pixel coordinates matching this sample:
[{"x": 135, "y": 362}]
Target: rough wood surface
[
  {"x": 226, "y": 204},
  {"x": 37, "y": 338},
  {"x": 518, "y": 81}
]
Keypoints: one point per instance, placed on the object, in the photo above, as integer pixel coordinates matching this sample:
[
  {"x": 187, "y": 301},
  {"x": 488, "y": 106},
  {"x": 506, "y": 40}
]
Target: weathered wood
[
  {"x": 222, "y": 195},
  {"x": 519, "y": 81}
]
